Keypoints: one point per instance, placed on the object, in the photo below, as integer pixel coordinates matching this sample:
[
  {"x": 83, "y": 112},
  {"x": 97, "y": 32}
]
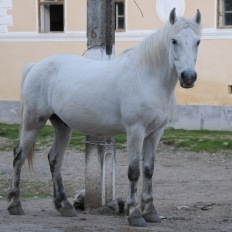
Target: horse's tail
[{"x": 26, "y": 70}]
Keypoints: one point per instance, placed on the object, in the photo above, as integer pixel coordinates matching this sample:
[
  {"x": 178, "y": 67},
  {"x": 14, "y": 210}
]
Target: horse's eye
[
  {"x": 198, "y": 42},
  {"x": 174, "y": 41}
]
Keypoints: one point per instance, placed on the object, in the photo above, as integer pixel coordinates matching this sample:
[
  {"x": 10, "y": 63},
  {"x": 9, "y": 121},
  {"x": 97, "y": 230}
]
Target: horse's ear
[
  {"x": 172, "y": 16},
  {"x": 198, "y": 17}
]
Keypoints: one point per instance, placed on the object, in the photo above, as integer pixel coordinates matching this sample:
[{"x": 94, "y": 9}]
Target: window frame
[
  {"x": 124, "y": 16},
  {"x": 221, "y": 15},
  {"x": 55, "y": 2}
]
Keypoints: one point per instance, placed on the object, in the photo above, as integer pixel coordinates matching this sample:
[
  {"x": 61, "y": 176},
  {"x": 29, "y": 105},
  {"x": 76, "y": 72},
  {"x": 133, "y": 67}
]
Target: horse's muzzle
[{"x": 187, "y": 79}]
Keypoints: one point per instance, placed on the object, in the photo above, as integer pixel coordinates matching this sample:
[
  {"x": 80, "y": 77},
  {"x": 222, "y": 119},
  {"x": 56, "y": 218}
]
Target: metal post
[{"x": 100, "y": 151}]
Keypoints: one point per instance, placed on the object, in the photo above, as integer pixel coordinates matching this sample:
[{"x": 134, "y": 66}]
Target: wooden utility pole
[{"x": 100, "y": 151}]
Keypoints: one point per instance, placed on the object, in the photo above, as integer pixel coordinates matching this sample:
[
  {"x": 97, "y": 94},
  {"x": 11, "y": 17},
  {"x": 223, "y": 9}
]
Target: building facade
[{"x": 31, "y": 30}]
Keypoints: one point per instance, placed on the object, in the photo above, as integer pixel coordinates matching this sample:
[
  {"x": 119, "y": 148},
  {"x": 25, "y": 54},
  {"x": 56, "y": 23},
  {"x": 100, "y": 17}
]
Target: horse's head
[{"x": 184, "y": 46}]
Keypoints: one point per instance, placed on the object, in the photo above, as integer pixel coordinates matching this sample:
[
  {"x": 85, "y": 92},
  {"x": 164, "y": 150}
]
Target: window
[
  {"x": 224, "y": 14},
  {"x": 51, "y": 15},
  {"x": 119, "y": 15}
]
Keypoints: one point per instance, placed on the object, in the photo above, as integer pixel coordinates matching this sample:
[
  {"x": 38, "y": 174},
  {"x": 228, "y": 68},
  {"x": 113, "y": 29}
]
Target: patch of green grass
[
  {"x": 198, "y": 141},
  {"x": 120, "y": 141},
  {"x": 9, "y": 131},
  {"x": 212, "y": 146},
  {"x": 191, "y": 140},
  {"x": 77, "y": 141}
]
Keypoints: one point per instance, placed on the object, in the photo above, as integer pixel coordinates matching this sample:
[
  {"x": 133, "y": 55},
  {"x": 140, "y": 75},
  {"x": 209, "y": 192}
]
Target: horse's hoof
[
  {"x": 136, "y": 219},
  {"x": 15, "y": 208},
  {"x": 68, "y": 210},
  {"x": 151, "y": 217},
  {"x": 137, "y": 222}
]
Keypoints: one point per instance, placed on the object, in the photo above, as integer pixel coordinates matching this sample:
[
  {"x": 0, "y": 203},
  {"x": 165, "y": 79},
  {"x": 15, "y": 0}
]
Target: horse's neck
[
  {"x": 153, "y": 55},
  {"x": 166, "y": 75}
]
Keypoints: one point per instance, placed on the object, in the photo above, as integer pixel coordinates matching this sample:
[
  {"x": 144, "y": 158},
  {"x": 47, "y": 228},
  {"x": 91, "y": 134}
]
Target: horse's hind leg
[
  {"x": 30, "y": 129},
  {"x": 149, "y": 147},
  {"x": 55, "y": 157}
]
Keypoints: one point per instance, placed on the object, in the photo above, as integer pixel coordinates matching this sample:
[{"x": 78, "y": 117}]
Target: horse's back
[{"x": 61, "y": 71}]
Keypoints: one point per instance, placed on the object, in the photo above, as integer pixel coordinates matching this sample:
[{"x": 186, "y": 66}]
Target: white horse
[{"x": 131, "y": 94}]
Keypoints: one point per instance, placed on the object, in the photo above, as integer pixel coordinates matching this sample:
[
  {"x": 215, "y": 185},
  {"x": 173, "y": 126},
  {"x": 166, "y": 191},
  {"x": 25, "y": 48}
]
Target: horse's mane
[{"x": 151, "y": 50}]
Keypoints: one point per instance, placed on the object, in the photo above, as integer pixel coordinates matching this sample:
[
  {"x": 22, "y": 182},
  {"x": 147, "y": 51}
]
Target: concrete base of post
[{"x": 99, "y": 171}]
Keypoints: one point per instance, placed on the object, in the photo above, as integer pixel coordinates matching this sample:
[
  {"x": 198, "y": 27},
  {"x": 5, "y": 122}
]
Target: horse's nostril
[
  {"x": 183, "y": 75},
  {"x": 189, "y": 76}
]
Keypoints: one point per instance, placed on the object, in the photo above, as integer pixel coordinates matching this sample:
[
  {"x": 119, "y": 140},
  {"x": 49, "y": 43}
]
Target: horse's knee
[
  {"x": 133, "y": 172},
  {"x": 148, "y": 172}
]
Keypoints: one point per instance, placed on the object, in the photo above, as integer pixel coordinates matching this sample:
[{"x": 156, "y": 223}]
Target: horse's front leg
[
  {"x": 135, "y": 137},
  {"x": 149, "y": 147}
]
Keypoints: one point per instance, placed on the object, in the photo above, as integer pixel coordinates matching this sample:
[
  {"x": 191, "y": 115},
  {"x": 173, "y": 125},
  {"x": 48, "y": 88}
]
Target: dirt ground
[{"x": 192, "y": 191}]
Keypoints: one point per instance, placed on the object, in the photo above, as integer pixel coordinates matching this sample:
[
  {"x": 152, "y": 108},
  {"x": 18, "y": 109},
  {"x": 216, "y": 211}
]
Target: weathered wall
[
  {"x": 10, "y": 112},
  {"x": 202, "y": 117}
]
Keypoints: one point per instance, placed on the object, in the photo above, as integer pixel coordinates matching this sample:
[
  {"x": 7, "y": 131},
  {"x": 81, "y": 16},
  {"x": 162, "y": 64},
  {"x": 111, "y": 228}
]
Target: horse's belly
[
  {"x": 93, "y": 122},
  {"x": 97, "y": 128}
]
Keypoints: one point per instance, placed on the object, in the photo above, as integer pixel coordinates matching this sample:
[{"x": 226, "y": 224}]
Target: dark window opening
[
  {"x": 51, "y": 15},
  {"x": 56, "y": 18}
]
